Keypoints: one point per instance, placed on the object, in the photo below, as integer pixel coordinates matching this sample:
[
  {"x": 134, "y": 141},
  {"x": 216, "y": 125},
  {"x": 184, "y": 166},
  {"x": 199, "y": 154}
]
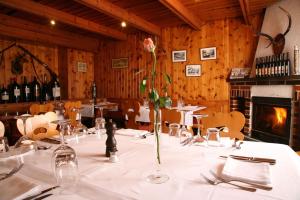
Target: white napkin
[
  {"x": 247, "y": 171},
  {"x": 131, "y": 132},
  {"x": 17, "y": 188}
]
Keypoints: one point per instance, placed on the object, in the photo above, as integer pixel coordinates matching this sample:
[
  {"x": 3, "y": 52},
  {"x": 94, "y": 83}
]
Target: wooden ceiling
[{"x": 102, "y": 18}]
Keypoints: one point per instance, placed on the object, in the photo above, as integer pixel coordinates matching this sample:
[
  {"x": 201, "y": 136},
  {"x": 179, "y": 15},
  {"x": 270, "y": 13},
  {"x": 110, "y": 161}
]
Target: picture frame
[
  {"x": 119, "y": 63},
  {"x": 239, "y": 73},
  {"x": 179, "y": 56},
  {"x": 209, "y": 53},
  {"x": 192, "y": 70}
]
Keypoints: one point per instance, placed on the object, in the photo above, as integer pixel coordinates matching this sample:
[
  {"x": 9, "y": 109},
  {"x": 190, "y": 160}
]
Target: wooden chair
[
  {"x": 298, "y": 152},
  {"x": 2, "y": 129},
  {"x": 131, "y": 110},
  {"x": 235, "y": 121},
  {"x": 36, "y": 109},
  {"x": 69, "y": 110},
  {"x": 169, "y": 116}
]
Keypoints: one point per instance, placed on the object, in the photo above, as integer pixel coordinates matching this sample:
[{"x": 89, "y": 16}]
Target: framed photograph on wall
[
  {"x": 119, "y": 62},
  {"x": 193, "y": 70},
  {"x": 179, "y": 56},
  {"x": 209, "y": 53}
]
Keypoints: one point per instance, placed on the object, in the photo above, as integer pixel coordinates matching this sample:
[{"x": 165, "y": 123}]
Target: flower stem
[{"x": 156, "y": 126}]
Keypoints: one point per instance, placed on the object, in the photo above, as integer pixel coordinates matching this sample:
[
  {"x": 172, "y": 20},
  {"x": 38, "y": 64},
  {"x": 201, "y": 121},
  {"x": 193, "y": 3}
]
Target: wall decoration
[
  {"x": 179, "y": 56},
  {"x": 193, "y": 70},
  {"x": 119, "y": 63},
  {"x": 237, "y": 73},
  {"x": 81, "y": 67},
  {"x": 209, "y": 53}
]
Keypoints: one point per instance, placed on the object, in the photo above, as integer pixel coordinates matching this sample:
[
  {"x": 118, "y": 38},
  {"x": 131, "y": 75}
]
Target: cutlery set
[
  {"x": 40, "y": 195},
  {"x": 252, "y": 159},
  {"x": 12, "y": 172}
]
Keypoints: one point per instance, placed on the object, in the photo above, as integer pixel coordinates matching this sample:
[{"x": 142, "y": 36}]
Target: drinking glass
[
  {"x": 173, "y": 132},
  {"x": 100, "y": 126},
  {"x": 64, "y": 161},
  {"x": 213, "y": 132},
  {"x": 3, "y": 145},
  {"x": 79, "y": 127},
  {"x": 198, "y": 118},
  {"x": 24, "y": 143}
]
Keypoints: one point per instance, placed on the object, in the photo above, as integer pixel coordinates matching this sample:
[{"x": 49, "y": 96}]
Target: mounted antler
[{"x": 279, "y": 41}]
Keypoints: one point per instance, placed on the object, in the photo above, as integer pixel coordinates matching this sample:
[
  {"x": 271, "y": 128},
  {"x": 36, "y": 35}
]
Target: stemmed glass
[
  {"x": 78, "y": 126},
  {"x": 64, "y": 161},
  {"x": 198, "y": 118},
  {"x": 24, "y": 142}
]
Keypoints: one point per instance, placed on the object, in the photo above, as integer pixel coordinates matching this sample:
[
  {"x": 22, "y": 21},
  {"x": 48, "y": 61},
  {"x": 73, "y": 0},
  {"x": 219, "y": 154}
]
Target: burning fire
[{"x": 280, "y": 114}]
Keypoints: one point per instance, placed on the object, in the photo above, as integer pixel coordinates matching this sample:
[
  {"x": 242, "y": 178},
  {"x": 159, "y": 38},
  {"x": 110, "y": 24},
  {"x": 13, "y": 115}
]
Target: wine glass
[
  {"x": 198, "y": 118},
  {"x": 79, "y": 127},
  {"x": 64, "y": 161},
  {"x": 24, "y": 143}
]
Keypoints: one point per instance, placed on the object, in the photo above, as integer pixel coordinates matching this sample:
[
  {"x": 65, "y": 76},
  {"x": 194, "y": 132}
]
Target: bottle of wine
[
  {"x": 16, "y": 92},
  {"x": 256, "y": 67},
  {"x": 26, "y": 95},
  {"x": 273, "y": 63},
  {"x": 4, "y": 95},
  {"x": 279, "y": 66},
  {"x": 287, "y": 65},
  {"x": 94, "y": 92},
  {"x": 10, "y": 90},
  {"x": 268, "y": 66},
  {"x": 45, "y": 93},
  {"x": 56, "y": 90},
  {"x": 261, "y": 63},
  {"x": 36, "y": 90}
]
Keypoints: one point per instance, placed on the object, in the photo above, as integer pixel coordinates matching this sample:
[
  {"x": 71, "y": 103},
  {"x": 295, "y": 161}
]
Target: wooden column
[{"x": 63, "y": 72}]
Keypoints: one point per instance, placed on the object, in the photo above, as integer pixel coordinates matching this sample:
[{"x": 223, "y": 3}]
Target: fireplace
[{"x": 271, "y": 119}]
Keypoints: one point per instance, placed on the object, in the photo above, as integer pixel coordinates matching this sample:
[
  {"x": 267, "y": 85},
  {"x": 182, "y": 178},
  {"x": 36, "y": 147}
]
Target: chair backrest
[
  {"x": 132, "y": 109},
  {"x": 234, "y": 120},
  {"x": 2, "y": 129},
  {"x": 36, "y": 109},
  {"x": 69, "y": 112},
  {"x": 169, "y": 116}
]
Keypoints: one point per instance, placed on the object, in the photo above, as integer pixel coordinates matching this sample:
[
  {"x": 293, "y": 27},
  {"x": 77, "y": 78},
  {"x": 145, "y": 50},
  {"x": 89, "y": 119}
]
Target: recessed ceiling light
[
  {"x": 52, "y": 22},
  {"x": 123, "y": 24}
]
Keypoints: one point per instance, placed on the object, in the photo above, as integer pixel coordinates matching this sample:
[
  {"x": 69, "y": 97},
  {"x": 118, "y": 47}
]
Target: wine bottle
[
  {"x": 268, "y": 66},
  {"x": 56, "y": 90},
  {"x": 94, "y": 92},
  {"x": 4, "y": 95},
  {"x": 256, "y": 68},
  {"x": 26, "y": 95},
  {"x": 261, "y": 63},
  {"x": 273, "y": 63},
  {"x": 287, "y": 65},
  {"x": 16, "y": 92},
  {"x": 36, "y": 90},
  {"x": 45, "y": 93},
  {"x": 10, "y": 90},
  {"x": 279, "y": 65}
]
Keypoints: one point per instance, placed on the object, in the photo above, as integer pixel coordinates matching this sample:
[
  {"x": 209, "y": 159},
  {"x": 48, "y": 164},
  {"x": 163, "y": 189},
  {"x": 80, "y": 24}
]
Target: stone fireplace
[{"x": 271, "y": 107}]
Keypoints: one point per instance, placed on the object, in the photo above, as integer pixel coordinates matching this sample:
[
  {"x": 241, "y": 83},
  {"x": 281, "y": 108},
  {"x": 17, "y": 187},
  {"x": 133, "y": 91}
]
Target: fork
[
  {"x": 216, "y": 182},
  {"x": 13, "y": 171}
]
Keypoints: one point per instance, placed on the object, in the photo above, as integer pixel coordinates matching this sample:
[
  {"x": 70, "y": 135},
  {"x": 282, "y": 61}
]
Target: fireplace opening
[{"x": 271, "y": 118}]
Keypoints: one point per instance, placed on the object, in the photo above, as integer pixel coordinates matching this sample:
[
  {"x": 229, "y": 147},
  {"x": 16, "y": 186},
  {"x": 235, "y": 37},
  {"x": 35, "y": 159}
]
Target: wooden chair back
[
  {"x": 69, "y": 112},
  {"x": 234, "y": 120},
  {"x": 2, "y": 129},
  {"x": 36, "y": 109},
  {"x": 169, "y": 116},
  {"x": 132, "y": 109}
]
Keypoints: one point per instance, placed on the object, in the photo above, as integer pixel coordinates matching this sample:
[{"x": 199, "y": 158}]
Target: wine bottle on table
[
  {"x": 56, "y": 90},
  {"x": 36, "y": 90},
  {"x": 4, "y": 95},
  {"x": 45, "y": 92},
  {"x": 16, "y": 92},
  {"x": 26, "y": 94},
  {"x": 94, "y": 92}
]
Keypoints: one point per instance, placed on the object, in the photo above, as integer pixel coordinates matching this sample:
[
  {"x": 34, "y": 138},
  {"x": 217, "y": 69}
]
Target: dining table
[{"x": 184, "y": 164}]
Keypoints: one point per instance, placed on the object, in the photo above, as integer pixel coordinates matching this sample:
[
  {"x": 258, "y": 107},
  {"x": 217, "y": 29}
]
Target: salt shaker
[{"x": 111, "y": 143}]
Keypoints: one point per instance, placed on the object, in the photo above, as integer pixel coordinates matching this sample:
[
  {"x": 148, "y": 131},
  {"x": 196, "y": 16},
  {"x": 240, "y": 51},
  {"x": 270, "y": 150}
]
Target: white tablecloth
[{"x": 100, "y": 179}]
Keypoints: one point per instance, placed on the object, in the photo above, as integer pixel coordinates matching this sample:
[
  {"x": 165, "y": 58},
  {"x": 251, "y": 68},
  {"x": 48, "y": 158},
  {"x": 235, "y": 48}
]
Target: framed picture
[
  {"x": 237, "y": 73},
  {"x": 179, "y": 56},
  {"x": 119, "y": 62},
  {"x": 209, "y": 53},
  {"x": 193, "y": 70}
]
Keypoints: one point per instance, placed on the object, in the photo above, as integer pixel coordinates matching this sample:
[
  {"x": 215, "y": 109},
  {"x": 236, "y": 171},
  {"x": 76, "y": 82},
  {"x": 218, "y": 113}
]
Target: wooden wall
[
  {"x": 78, "y": 83},
  {"x": 235, "y": 44}
]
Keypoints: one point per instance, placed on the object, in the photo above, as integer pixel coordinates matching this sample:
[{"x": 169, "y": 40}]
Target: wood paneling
[
  {"x": 235, "y": 46},
  {"x": 80, "y": 83},
  {"x": 74, "y": 84}
]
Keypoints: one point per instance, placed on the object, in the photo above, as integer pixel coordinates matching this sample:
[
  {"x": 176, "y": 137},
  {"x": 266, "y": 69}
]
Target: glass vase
[{"x": 157, "y": 177}]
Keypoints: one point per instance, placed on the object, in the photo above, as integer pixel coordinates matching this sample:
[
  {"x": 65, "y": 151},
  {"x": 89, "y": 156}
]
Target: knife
[
  {"x": 252, "y": 159},
  {"x": 43, "y": 197},
  {"x": 42, "y": 192}
]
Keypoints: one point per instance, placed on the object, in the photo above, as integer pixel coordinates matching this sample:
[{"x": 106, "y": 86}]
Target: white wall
[{"x": 275, "y": 22}]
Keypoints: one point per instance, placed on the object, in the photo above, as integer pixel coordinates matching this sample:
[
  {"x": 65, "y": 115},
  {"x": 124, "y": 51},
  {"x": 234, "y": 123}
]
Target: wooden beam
[
  {"x": 114, "y": 11},
  {"x": 22, "y": 29},
  {"x": 182, "y": 12},
  {"x": 244, "y": 4},
  {"x": 73, "y": 20}
]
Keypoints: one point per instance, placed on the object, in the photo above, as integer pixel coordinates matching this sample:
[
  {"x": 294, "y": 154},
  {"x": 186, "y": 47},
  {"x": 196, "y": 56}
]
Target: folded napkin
[
  {"x": 247, "y": 171},
  {"x": 131, "y": 132},
  {"x": 17, "y": 188}
]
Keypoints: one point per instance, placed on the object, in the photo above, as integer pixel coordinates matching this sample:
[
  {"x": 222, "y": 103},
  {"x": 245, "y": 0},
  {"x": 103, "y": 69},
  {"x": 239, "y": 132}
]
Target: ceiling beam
[
  {"x": 73, "y": 20},
  {"x": 244, "y": 4},
  {"x": 121, "y": 14},
  {"x": 183, "y": 12},
  {"x": 22, "y": 29}
]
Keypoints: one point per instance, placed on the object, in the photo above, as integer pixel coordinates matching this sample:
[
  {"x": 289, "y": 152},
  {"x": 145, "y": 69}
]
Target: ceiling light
[
  {"x": 52, "y": 22},
  {"x": 123, "y": 24}
]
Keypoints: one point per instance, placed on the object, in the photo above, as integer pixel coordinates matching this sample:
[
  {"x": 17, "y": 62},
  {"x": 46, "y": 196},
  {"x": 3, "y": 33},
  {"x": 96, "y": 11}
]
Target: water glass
[
  {"x": 100, "y": 126},
  {"x": 3, "y": 145},
  {"x": 173, "y": 132},
  {"x": 213, "y": 134}
]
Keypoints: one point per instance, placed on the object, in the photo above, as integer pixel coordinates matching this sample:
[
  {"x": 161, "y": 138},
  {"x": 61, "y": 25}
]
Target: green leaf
[
  {"x": 165, "y": 102},
  {"x": 167, "y": 79},
  {"x": 143, "y": 84},
  {"x": 153, "y": 95}
]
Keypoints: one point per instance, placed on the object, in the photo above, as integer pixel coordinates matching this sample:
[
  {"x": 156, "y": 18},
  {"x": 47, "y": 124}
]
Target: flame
[{"x": 280, "y": 114}]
